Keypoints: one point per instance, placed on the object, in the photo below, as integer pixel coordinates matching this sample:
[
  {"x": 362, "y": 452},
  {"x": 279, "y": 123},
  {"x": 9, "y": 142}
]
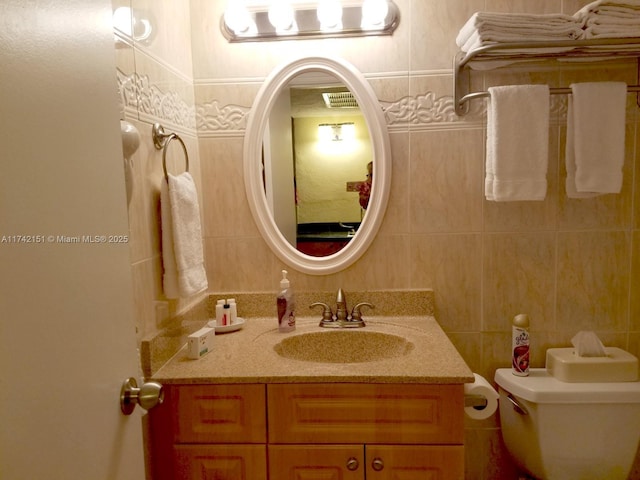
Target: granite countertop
[{"x": 248, "y": 356}]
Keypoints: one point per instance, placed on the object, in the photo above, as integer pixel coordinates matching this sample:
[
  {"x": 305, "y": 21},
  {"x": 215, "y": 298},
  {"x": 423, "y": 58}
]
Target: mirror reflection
[{"x": 317, "y": 164}]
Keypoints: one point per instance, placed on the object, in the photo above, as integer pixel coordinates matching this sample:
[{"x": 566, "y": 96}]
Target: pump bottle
[{"x": 286, "y": 306}]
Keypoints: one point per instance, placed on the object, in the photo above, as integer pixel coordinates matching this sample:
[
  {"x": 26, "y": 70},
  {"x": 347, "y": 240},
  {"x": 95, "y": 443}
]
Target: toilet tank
[{"x": 569, "y": 431}]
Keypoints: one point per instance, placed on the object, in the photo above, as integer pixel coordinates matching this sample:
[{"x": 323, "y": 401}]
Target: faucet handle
[
  {"x": 327, "y": 314},
  {"x": 356, "y": 314}
]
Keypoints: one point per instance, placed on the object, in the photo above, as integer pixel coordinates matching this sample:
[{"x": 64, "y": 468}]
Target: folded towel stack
[
  {"x": 485, "y": 28},
  {"x": 610, "y": 19}
]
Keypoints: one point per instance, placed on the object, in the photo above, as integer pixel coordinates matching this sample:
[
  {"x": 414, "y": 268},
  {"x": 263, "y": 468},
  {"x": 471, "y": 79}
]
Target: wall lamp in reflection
[
  {"x": 251, "y": 21},
  {"x": 336, "y": 132}
]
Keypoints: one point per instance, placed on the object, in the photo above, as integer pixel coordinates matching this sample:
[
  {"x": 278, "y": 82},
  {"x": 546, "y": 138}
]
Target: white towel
[
  {"x": 623, "y": 8},
  {"x": 595, "y": 148},
  {"x": 612, "y": 31},
  {"x": 610, "y": 19},
  {"x": 517, "y": 143},
  {"x": 182, "y": 253},
  {"x": 488, "y": 27}
]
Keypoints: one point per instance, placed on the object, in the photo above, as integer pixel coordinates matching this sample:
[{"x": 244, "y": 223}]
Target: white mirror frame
[{"x": 258, "y": 118}]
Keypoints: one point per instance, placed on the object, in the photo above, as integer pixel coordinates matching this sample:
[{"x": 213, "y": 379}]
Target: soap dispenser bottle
[{"x": 286, "y": 306}]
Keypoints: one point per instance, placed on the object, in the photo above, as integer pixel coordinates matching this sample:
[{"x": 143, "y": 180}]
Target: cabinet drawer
[
  {"x": 220, "y": 414},
  {"x": 220, "y": 462},
  {"x": 364, "y": 413}
]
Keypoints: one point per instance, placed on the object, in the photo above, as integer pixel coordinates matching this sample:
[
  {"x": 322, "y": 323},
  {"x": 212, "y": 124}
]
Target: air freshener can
[{"x": 520, "y": 345}]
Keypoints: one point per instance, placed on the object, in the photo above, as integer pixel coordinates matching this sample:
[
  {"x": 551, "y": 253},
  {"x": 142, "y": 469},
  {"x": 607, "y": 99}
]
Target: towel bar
[
  {"x": 161, "y": 140},
  {"x": 577, "y": 50},
  {"x": 552, "y": 91}
]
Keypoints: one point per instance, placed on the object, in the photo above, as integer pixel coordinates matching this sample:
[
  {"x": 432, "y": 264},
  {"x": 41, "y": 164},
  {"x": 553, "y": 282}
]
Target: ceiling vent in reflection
[{"x": 340, "y": 100}]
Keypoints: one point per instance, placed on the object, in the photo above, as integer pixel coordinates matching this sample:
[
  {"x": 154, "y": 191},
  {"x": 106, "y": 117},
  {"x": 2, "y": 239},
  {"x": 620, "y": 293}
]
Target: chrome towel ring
[{"x": 161, "y": 140}]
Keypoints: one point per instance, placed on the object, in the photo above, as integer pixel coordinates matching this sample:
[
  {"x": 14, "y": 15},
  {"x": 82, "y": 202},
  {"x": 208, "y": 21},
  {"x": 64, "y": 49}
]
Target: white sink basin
[
  {"x": 343, "y": 346},
  {"x": 618, "y": 366}
]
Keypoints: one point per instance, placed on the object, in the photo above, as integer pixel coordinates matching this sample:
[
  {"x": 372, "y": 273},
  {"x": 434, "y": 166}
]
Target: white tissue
[
  {"x": 483, "y": 388},
  {"x": 587, "y": 344}
]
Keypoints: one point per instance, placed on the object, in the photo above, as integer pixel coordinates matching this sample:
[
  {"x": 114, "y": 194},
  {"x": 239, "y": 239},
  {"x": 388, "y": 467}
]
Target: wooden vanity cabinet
[
  {"x": 308, "y": 432},
  {"x": 209, "y": 432}
]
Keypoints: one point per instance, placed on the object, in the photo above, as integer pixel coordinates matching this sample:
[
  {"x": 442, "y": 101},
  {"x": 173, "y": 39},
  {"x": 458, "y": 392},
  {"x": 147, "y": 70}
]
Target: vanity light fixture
[
  {"x": 336, "y": 132},
  {"x": 259, "y": 20}
]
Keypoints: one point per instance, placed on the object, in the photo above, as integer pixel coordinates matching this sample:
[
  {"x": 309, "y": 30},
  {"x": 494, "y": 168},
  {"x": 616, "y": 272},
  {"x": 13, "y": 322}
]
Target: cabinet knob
[
  {"x": 377, "y": 464},
  {"x": 352, "y": 464}
]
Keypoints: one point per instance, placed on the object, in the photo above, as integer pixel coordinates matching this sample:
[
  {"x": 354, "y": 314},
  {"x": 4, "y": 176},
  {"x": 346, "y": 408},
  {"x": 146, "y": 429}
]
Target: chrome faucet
[{"x": 342, "y": 319}]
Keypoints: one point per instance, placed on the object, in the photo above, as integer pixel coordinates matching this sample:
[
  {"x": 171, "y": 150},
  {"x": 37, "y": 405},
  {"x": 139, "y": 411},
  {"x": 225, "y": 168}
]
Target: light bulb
[
  {"x": 374, "y": 12},
  {"x": 237, "y": 17},
  {"x": 329, "y": 14},
  {"x": 122, "y": 20},
  {"x": 281, "y": 15}
]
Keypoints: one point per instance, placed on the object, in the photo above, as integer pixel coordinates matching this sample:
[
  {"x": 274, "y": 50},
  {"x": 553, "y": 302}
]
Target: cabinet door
[
  {"x": 314, "y": 462},
  {"x": 220, "y": 462},
  {"x": 414, "y": 462}
]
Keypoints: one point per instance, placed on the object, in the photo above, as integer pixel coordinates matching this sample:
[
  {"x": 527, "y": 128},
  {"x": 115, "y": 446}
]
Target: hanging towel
[
  {"x": 594, "y": 153},
  {"x": 170, "y": 275},
  {"x": 182, "y": 253},
  {"x": 517, "y": 143}
]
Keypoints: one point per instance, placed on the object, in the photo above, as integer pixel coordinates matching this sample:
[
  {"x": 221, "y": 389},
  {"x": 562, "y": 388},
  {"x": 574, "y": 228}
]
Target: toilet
[{"x": 556, "y": 430}]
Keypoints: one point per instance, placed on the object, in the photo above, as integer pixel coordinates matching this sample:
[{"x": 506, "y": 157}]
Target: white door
[{"x": 67, "y": 337}]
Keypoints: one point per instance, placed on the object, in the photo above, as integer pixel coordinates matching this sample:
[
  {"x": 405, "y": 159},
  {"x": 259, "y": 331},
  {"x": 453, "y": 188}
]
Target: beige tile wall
[
  {"x": 156, "y": 85},
  {"x": 570, "y": 264}
]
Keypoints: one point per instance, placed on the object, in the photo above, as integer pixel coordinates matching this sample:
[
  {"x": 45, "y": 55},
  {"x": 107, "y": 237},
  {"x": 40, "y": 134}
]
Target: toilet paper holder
[{"x": 476, "y": 401}]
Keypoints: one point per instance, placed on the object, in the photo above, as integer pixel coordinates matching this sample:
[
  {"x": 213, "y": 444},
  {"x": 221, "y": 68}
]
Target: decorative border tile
[
  {"x": 139, "y": 94},
  {"x": 426, "y": 108},
  {"x": 216, "y": 119},
  {"x": 213, "y": 117},
  {"x": 210, "y": 119}
]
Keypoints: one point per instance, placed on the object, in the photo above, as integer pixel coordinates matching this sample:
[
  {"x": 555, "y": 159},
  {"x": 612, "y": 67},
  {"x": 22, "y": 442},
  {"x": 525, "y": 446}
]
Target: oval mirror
[{"x": 273, "y": 186}]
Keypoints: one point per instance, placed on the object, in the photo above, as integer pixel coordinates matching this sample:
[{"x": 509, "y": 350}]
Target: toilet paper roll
[{"x": 483, "y": 388}]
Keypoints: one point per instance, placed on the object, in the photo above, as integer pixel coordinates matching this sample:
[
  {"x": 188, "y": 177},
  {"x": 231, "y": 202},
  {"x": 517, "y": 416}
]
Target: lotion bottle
[
  {"x": 286, "y": 306},
  {"x": 233, "y": 314},
  {"x": 520, "y": 345},
  {"x": 220, "y": 313}
]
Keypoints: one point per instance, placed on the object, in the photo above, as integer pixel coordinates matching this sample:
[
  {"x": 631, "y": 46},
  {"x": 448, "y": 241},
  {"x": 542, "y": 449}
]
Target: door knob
[
  {"x": 352, "y": 464},
  {"x": 147, "y": 396}
]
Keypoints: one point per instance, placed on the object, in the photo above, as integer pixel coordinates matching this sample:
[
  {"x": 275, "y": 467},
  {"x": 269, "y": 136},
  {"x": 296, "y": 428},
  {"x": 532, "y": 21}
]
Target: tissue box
[
  {"x": 618, "y": 366},
  {"x": 200, "y": 343}
]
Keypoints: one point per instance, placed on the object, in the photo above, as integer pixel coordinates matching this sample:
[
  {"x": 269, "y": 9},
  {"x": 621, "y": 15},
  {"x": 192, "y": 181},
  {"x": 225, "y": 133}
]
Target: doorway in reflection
[{"x": 330, "y": 169}]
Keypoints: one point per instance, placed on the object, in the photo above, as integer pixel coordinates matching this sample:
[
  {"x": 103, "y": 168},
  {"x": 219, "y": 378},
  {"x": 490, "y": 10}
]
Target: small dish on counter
[{"x": 237, "y": 325}]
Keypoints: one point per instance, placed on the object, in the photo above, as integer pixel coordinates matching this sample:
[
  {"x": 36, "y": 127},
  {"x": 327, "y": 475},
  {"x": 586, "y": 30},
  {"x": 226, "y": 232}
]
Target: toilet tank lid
[{"x": 540, "y": 387}]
